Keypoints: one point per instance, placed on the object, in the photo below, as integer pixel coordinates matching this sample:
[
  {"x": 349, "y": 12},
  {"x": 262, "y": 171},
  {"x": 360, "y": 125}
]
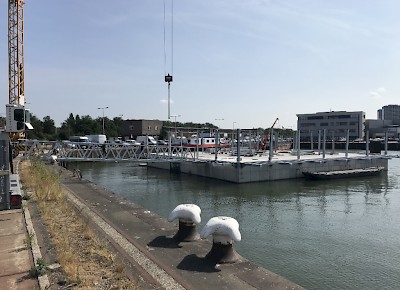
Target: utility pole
[{"x": 103, "y": 108}]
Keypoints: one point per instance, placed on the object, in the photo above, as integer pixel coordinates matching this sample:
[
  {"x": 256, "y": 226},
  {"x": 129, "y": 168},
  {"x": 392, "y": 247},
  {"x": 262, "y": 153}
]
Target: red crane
[{"x": 265, "y": 141}]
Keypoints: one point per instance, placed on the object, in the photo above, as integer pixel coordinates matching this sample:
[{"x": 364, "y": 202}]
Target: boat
[
  {"x": 202, "y": 142},
  {"x": 369, "y": 171}
]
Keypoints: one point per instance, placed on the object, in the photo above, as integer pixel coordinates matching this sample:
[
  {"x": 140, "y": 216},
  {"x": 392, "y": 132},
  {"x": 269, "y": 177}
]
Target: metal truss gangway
[{"x": 78, "y": 151}]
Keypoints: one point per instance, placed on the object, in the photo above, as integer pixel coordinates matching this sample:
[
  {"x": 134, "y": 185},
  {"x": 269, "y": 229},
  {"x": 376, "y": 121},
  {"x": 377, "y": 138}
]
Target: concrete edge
[
  {"x": 153, "y": 269},
  {"x": 43, "y": 280}
]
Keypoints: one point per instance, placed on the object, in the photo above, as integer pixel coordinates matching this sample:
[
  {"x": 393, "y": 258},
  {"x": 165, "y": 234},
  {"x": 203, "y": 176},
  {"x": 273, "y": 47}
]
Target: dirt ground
[{"x": 86, "y": 261}]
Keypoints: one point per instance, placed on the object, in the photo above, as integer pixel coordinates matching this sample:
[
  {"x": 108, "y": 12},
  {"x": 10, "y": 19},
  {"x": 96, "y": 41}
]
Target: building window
[
  {"x": 149, "y": 128},
  {"x": 131, "y": 127},
  {"x": 156, "y": 128},
  {"x": 314, "y": 118},
  {"x": 324, "y": 124}
]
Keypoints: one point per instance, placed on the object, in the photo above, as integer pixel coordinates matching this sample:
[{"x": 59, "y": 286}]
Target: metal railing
[{"x": 76, "y": 151}]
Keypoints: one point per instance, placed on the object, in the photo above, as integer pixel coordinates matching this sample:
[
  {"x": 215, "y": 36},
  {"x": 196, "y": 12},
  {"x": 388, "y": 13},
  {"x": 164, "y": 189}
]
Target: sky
[{"x": 238, "y": 64}]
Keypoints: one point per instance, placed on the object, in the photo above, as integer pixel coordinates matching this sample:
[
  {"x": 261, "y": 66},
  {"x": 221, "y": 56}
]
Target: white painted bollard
[
  {"x": 225, "y": 231},
  {"x": 53, "y": 159},
  {"x": 189, "y": 216}
]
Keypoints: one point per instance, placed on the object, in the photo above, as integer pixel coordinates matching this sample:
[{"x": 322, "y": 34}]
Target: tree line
[{"x": 46, "y": 129}]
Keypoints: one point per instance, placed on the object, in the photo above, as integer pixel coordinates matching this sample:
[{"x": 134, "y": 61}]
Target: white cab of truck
[{"x": 146, "y": 140}]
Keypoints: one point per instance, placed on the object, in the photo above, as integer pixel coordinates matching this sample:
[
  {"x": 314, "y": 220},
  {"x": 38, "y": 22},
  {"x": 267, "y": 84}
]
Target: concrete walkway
[
  {"x": 15, "y": 254},
  {"x": 147, "y": 239}
]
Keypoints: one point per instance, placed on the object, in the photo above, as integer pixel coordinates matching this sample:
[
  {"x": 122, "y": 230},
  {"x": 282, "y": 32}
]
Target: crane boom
[
  {"x": 265, "y": 141},
  {"x": 16, "y": 82}
]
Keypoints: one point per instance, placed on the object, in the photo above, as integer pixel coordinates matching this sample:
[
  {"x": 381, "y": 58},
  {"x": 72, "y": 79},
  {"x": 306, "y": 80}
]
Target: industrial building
[
  {"x": 335, "y": 123},
  {"x": 130, "y": 129}
]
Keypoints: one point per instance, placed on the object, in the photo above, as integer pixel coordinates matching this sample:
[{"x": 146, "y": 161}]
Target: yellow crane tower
[
  {"x": 16, "y": 84},
  {"x": 17, "y": 118}
]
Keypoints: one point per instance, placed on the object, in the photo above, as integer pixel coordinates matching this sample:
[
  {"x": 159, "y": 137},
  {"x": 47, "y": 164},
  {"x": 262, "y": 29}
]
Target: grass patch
[{"x": 84, "y": 258}]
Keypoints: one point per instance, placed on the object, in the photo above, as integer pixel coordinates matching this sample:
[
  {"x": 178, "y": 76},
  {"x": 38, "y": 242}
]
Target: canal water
[{"x": 339, "y": 234}]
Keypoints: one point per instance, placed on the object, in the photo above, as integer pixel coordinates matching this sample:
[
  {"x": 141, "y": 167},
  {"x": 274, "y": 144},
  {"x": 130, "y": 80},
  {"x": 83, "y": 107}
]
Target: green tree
[
  {"x": 49, "y": 128},
  {"x": 37, "y": 132}
]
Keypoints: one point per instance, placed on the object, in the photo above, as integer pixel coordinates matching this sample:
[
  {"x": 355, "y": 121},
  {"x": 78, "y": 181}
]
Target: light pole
[
  {"x": 103, "y": 108},
  {"x": 233, "y": 134},
  {"x": 175, "y": 116},
  {"x": 219, "y": 119}
]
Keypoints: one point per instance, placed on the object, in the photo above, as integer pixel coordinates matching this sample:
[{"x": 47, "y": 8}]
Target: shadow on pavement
[
  {"x": 197, "y": 264},
  {"x": 164, "y": 242}
]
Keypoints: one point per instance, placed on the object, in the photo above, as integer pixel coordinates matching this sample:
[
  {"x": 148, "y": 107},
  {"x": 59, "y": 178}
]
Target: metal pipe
[
  {"x": 347, "y": 142},
  {"x": 367, "y": 143},
  {"x": 298, "y": 144},
  {"x": 319, "y": 141},
  {"x": 238, "y": 146},
  {"x": 386, "y": 143},
  {"x": 216, "y": 144},
  {"x": 324, "y": 144},
  {"x": 270, "y": 151}
]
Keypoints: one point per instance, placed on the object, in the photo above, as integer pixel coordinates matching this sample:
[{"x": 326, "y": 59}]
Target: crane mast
[
  {"x": 17, "y": 117},
  {"x": 16, "y": 82}
]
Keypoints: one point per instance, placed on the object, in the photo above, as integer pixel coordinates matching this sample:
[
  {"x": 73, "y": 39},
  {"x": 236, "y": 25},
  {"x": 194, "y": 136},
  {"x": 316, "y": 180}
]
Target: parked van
[
  {"x": 100, "y": 139},
  {"x": 79, "y": 139},
  {"x": 146, "y": 140}
]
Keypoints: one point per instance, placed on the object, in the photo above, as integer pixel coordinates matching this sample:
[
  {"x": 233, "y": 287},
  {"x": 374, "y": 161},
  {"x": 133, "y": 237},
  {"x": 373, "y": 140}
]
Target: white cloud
[
  {"x": 378, "y": 93},
  {"x": 166, "y": 101}
]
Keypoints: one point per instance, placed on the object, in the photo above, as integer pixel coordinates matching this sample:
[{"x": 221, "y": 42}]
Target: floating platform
[
  {"x": 258, "y": 168},
  {"x": 371, "y": 171}
]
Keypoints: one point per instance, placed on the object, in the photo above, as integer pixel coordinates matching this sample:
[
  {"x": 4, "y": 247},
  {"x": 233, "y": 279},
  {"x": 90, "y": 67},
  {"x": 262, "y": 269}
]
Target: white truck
[
  {"x": 99, "y": 139},
  {"x": 146, "y": 140}
]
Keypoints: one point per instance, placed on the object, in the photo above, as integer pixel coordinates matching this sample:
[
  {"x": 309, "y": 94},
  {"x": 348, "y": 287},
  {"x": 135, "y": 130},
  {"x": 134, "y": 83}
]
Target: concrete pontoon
[{"x": 285, "y": 165}]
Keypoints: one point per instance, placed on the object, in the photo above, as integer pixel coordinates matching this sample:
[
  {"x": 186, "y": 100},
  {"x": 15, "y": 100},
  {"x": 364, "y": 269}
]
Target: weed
[
  {"x": 39, "y": 270},
  {"x": 28, "y": 241},
  {"x": 26, "y": 197}
]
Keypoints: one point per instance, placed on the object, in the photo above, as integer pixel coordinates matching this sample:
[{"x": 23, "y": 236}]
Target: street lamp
[
  {"x": 175, "y": 116},
  {"x": 219, "y": 119},
  {"x": 103, "y": 108}
]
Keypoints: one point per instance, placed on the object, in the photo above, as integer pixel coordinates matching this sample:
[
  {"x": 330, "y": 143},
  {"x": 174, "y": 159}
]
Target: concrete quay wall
[{"x": 269, "y": 171}]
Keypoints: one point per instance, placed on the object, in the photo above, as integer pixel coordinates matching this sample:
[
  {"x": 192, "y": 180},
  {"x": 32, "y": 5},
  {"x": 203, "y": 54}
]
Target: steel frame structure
[
  {"x": 75, "y": 151},
  {"x": 16, "y": 82}
]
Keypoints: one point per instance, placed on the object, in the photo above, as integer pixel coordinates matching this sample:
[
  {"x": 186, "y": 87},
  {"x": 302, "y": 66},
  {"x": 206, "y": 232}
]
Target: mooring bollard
[
  {"x": 53, "y": 159},
  {"x": 225, "y": 231},
  {"x": 189, "y": 216}
]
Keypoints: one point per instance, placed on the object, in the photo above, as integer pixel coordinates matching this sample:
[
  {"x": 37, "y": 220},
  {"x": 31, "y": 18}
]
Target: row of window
[
  {"x": 131, "y": 127},
  {"x": 325, "y": 124},
  {"x": 329, "y": 131},
  {"x": 319, "y": 117}
]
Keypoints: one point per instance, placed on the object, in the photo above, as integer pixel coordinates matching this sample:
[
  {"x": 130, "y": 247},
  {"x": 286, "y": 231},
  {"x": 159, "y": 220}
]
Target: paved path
[{"x": 15, "y": 257}]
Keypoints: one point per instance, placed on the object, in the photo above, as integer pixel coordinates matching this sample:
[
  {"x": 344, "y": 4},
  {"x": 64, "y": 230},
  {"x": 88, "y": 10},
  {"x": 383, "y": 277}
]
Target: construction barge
[{"x": 259, "y": 168}]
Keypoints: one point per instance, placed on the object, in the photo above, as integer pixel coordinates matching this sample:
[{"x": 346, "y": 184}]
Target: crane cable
[
  {"x": 172, "y": 38},
  {"x": 168, "y": 77}
]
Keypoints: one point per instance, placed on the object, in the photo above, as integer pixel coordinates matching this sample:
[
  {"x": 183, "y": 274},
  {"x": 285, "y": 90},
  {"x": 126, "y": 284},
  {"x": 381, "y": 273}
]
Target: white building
[{"x": 335, "y": 123}]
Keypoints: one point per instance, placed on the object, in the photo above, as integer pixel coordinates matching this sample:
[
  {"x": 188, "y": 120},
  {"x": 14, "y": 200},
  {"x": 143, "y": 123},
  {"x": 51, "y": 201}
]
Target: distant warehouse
[
  {"x": 130, "y": 129},
  {"x": 335, "y": 123}
]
